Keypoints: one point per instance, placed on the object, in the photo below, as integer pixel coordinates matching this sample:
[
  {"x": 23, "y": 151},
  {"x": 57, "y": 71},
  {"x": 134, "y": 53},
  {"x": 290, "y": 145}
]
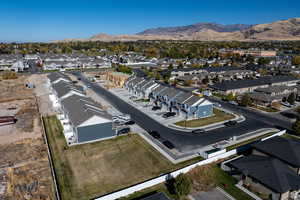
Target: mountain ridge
[{"x": 279, "y": 30}]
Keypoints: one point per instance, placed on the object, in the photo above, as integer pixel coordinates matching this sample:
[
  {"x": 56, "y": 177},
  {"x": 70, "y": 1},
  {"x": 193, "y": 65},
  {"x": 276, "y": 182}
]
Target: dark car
[
  {"x": 156, "y": 108},
  {"x": 124, "y": 131},
  {"x": 169, "y": 114},
  {"x": 79, "y": 79},
  {"x": 154, "y": 134},
  {"x": 168, "y": 144},
  {"x": 196, "y": 131},
  {"x": 131, "y": 122},
  {"x": 230, "y": 123}
]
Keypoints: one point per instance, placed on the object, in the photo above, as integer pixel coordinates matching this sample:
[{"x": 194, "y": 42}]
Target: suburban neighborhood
[{"x": 160, "y": 100}]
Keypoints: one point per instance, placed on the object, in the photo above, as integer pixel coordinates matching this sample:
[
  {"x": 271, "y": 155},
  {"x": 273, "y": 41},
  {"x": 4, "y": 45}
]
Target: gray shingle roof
[
  {"x": 285, "y": 149},
  {"x": 269, "y": 171},
  {"x": 56, "y": 75},
  {"x": 80, "y": 109},
  {"x": 182, "y": 97},
  {"x": 267, "y": 80},
  {"x": 191, "y": 101},
  {"x": 159, "y": 89},
  {"x": 62, "y": 88}
]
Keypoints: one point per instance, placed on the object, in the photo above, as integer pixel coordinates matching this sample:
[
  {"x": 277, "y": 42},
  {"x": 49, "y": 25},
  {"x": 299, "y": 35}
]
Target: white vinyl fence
[{"x": 163, "y": 178}]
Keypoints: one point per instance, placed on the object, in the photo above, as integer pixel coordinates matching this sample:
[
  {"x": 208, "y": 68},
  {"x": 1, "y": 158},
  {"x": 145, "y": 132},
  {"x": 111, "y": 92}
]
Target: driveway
[{"x": 214, "y": 194}]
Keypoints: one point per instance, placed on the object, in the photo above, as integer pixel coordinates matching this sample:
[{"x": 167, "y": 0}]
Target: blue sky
[{"x": 47, "y": 20}]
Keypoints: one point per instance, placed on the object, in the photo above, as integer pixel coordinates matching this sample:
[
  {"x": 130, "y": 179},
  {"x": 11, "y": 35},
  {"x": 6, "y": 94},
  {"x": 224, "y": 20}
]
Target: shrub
[{"x": 182, "y": 185}]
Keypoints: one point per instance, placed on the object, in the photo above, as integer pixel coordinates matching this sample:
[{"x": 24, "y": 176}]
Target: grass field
[
  {"x": 219, "y": 116},
  {"x": 265, "y": 109},
  {"x": 90, "y": 170}
]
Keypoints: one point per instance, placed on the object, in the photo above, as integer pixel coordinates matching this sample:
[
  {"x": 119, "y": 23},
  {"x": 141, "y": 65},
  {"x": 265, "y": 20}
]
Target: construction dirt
[{"x": 24, "y": 166}]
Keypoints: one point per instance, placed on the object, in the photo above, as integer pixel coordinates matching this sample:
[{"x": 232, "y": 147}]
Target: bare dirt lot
[{"x": 24, "y": 165}]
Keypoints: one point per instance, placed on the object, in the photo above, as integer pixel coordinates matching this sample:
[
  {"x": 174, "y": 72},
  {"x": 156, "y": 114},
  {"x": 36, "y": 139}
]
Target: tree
[
  {"x": 230, "y": 97},
  {"x": 246, "y": 100},
  {"x": 296, "y": 126},
  {"x": 263, "y": 61},
  {"x": 291, "y": 98},
  {"x": 205, "y": 80},
  {"x": 276, "y": 105},
  {"x": 170, "y": 67},
  {"x": 188, "y": 82},
  {"x": 298, "y": 109},
  {"x": 296, "y": 60},
  {"x": 182, "y": 185},
  {"x": 180, "y": 66},
  {"x": 158, "y": 76}
]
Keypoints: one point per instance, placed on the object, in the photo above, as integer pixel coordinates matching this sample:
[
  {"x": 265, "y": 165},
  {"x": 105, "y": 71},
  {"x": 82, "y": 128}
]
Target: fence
[
  {"x": 163, "y": 178},
  {"x": 277, "y": 134}
]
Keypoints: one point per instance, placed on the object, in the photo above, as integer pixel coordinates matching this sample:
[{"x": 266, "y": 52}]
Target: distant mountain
[
  {"x": 280, "y": 30},
  {"x": 190, "y": 29}
]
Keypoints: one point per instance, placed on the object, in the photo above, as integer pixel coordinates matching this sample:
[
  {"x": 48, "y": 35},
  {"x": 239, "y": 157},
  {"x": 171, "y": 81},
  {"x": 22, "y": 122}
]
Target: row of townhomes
[
  {"x": 266, "y": 96},
  {"x": 72, "y": 61},
  {"x": 249, "y": 85},
  {"x": 169, "y": 98},
  {"x": 12, "y": 62},
  {"x": 216, "y": 74},
  {"x": 82, "y": 119},
  {"x": 273, "y": 168}
]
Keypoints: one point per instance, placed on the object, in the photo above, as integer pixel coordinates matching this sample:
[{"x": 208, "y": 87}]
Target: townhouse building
[
  {"x": 83, "y": 120},
  {"x": 169, "y": 98},
  {"x": 249, "y": 85}
]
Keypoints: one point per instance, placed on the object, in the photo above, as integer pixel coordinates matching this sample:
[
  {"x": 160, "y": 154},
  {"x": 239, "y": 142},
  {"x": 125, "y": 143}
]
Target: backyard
[
  {"x": 203, "y": 178},
  {"x": 218, "y": 116},
  {"x": 90, "y": 170}
]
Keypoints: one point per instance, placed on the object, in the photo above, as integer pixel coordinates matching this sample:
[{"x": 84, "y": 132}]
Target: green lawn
[
  {"x": 227, "y": 183},
  {"x": 90, "y": 170},
  {"x": 265, "y": 109},
  {"x": 294, "y": 137},
  {"x": 219, "y": 116}
]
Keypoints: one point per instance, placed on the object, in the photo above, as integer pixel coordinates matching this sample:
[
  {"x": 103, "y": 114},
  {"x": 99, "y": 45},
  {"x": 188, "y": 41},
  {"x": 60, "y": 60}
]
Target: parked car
[
  {"x": 169, "y": 114},
  {"x": 154, "y": 134},
  {"x": 196, "y": 131},
  {"x": 230, "y": 123},
  {"x": 124, "y": 131},
  {"x": 154, "y": 108},
  {"x": 131, "y": 122},
  {"x": 168, "y": 144}
]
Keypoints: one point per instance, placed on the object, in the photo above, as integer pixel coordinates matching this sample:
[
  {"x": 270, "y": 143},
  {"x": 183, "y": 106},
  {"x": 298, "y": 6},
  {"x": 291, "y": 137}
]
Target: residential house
[
  {"x": 249, "y": 85},
  {"x": 266, "y": 96},
  {"x": 272, "y": 168}
]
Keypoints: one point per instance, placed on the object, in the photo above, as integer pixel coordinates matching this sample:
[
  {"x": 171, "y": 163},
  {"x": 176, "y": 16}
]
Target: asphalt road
[{"x": 183, "y": 141}]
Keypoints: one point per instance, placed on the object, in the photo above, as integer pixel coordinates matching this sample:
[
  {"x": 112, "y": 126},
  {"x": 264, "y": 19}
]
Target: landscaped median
[
  {"x": 90, "y": 170},
  {"x": 219, "y": 116}
]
